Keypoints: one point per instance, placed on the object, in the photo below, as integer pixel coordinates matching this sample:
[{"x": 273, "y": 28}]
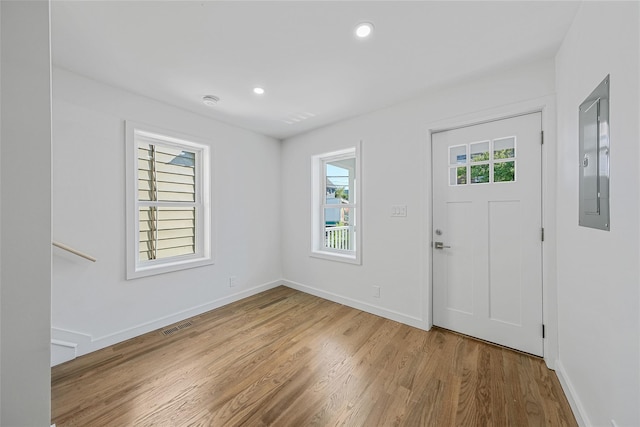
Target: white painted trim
[
  {"x": 62, "y": 351},
  {"x": 335, "y": 256},
  {"x": 369, "y": 308},
  {"x": 569, "y": 390},
  {"x": 94, "y": 344},
  {"x": 425, "y": 227},
  {"x": 64, "y": 343},
  {"x": 549, "y": 257},
  {"x": 547, "y": 106},
  {"x": 64, "y": 335}
]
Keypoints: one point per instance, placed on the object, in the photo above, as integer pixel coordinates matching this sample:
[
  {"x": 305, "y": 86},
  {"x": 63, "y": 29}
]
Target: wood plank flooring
[{"x": 285, "y": 358}]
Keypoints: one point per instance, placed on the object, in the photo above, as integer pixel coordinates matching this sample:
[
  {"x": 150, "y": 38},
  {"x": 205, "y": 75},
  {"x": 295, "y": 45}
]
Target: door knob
[{"x": 440, "y": 245}]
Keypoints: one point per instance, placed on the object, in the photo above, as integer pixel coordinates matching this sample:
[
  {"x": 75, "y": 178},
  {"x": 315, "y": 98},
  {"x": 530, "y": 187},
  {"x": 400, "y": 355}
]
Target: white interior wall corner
[{"x": 597, "y": 289}]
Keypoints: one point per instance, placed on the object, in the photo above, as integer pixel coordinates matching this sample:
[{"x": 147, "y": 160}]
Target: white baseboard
[
  {"x": 68, "y": 345},
  {"x": 369, "y": 308},
  {"x": 576, "y": 406},
  {"x": 64, "y": 345},
  {"x": 86, "y": 344},
  {"x": 62, "y": 351}
]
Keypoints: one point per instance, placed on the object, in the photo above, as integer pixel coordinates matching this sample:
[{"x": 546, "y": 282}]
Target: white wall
[
  {"x": 93, "y": 300},
  {"x": 0, "y": 215},
  {"x": 598, "y": 279},
  {"x": 25, "y": 200},
  {"x": 395, "y": 168}
]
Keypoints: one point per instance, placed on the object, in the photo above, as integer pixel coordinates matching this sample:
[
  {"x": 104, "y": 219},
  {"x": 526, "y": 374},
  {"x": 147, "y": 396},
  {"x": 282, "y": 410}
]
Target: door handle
[{"x": 440, "y": 245}]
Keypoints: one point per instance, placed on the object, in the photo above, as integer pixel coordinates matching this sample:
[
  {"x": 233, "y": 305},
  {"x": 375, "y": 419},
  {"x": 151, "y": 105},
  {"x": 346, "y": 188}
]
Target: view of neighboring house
[{"x": 336, "y": 195}]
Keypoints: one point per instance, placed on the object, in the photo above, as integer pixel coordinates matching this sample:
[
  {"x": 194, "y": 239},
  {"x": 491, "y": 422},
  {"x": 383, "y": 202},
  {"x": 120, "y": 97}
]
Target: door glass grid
[
  {"x": 483, "y": 162},
  {"x": 457, "y": 163}
]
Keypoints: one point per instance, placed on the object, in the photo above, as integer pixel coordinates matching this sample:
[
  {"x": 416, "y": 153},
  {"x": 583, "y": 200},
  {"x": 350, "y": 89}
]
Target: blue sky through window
[{"x": 338, "y": 176}]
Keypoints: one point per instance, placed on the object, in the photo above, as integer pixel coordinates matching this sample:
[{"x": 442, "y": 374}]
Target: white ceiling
[{"x": 303, "y": 53}]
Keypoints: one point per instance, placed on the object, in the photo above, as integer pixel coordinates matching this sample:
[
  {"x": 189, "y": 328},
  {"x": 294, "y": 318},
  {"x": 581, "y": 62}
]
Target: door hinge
[
  {"x": 542, "y": 234},
  {"x": 543, "y": 334},
  {"x": 541, "y": 137}
]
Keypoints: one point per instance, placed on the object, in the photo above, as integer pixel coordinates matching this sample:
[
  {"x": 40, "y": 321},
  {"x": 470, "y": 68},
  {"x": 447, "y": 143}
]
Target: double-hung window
[
  {"x": 336, "y": 212},
  {"x": 168, "y": 202}
]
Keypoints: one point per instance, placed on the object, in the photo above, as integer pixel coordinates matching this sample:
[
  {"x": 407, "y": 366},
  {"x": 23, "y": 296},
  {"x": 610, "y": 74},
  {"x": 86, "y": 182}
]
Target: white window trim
[
  {"x": 204, "y": 229},
  {"x": 318, "y": 190}
]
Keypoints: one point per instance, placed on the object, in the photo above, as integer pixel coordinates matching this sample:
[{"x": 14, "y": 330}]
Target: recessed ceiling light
[
  {"x": 364, "y": 30},
  {"x": 210, "y": 100},
  {"x": 258, "y": 90}
]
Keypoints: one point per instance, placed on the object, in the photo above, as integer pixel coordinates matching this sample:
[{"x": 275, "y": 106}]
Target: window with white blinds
[{"x": 171, "y": 202}]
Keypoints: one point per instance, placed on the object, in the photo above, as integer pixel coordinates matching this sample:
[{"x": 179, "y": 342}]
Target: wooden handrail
[{"x": 73, "y": 251}]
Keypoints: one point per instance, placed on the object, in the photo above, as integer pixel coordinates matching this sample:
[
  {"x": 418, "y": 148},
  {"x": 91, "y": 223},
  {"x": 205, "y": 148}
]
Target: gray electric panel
[{"x": 594, "y": 158}]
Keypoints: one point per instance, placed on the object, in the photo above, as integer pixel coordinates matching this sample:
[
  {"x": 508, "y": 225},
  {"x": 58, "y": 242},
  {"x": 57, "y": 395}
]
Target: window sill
[
  {"x": 334, "y": 256},
  {"x": 167, "y": 267}
]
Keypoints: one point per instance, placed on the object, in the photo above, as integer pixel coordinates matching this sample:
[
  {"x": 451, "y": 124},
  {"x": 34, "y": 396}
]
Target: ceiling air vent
[{"x": 298, "y": 117}]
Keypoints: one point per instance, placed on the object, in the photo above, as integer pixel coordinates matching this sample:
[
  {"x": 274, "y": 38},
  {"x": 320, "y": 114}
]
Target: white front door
[{"x": 487, "y": 226}]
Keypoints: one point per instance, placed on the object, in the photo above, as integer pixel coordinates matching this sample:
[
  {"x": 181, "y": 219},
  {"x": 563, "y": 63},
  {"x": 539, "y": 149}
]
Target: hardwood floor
[{"x": 285, "y": 358}]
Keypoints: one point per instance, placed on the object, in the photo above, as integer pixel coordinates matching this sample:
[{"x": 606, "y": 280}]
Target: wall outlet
[
  {"x": 232, "y": 281},
  {"x": 398, "y": 210},
  {"x": 376, "y": 291}
]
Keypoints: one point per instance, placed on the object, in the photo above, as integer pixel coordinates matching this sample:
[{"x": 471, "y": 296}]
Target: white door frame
[{"x": 545, "y": 105}]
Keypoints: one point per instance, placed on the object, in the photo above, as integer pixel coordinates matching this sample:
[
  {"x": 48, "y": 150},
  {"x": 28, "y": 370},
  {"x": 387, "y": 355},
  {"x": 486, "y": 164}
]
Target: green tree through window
[{"x": 504, "y": 172}]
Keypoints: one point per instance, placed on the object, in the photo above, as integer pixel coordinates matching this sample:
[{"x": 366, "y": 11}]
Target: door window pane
[
  {"x": 504, "y": 171},
  {"x": 480, "y": 152},
  {"x": 458, "y": 155},
  {"x": 479, "y": 174},
  {"x": 458, "y": 176},
  {"x": 504, "y": 148}
]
